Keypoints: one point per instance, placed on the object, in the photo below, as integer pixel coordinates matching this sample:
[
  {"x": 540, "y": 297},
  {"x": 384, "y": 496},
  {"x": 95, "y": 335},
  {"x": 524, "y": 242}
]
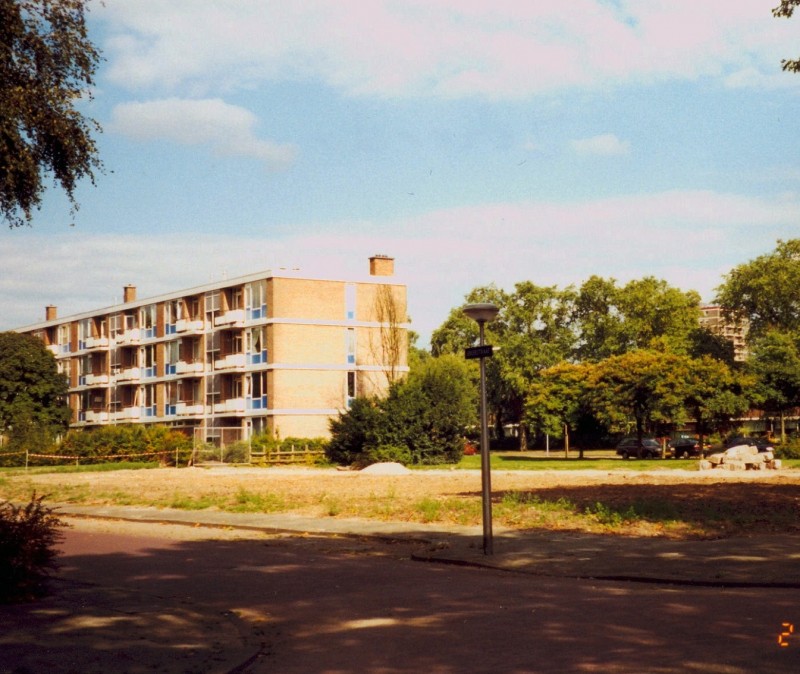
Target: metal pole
[{"x": 486, "y": 477}]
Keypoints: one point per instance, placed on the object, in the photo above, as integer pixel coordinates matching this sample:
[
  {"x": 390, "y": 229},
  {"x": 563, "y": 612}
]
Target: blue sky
[{"x": 476, "y": 141}]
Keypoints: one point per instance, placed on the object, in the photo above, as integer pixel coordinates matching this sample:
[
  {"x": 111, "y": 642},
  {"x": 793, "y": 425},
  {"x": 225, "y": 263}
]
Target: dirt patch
[{"x": 658, "y": 502}]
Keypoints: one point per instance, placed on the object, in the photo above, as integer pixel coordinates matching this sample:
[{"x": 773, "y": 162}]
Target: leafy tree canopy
[
  {"x": 785, "y": 10},
  {"x": 31, "y": 388},
  {"x": 765, "y": 291},
  {"x": 47, "y": 63}
]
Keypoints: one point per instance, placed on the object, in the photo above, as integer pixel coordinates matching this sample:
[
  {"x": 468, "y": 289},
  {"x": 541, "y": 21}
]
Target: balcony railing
[
  {"x": 95, "y": 342},
  {"x": 128, "y": 337},
  {"x": 232, "y": 360},
  {"x": 189, "y": 409},
  {"x": 232, "y": 317},
  {"x": 93, "y": 417},
  {"x": 185, "y": 325},
  {"x": 230, "y": 406},
  {"x": 130, "y": 374},
  {"x": 127, "y": 414},
  {"x": 182, "y": 367}
]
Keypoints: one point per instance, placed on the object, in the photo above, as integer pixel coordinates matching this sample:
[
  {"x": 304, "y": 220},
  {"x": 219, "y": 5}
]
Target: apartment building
[
  {"x": 712, "y": 317},
  {"x": 268, "y": 351}
]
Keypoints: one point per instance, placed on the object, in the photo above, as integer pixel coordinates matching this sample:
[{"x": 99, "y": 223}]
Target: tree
[
  {"x": 47, "y": 63},
  {"x": 610, "y": 320},
  {"x": 423, "y": 419},
  {"x": 534, "y": 332},
  {"x": 764, "y": 292},
  {"x": 715, "y": 394},
  {"x": 430, "y": 412},
  {"x": 32, "y": 391},
  {"x": 641, "y": 387},
  {"x": 775, "y": 362},
  {"x": 785, "y": 10},
  {"x": 556, "y": 401}
]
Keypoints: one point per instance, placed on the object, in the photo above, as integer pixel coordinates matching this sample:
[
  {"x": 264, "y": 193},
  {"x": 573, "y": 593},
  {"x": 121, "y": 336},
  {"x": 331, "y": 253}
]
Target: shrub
[
  {"x": 28, "y": 535},
  {"x": 791, "y": 450},
  {"x": 385, "y": 453}
]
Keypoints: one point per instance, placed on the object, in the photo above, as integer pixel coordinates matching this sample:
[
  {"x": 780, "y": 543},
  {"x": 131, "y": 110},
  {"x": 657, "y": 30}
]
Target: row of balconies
[{"x": 184, "y": 409}]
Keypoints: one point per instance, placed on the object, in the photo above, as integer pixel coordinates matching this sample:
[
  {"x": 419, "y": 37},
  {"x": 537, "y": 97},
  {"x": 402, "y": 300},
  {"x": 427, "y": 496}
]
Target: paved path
[
  {"x": 348, "y": 598},
  {"x": 759, "y": 561}
]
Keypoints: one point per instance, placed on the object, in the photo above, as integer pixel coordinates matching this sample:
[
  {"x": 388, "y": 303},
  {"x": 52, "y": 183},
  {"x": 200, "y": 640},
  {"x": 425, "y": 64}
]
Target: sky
[{"x": 475, "y": 141}]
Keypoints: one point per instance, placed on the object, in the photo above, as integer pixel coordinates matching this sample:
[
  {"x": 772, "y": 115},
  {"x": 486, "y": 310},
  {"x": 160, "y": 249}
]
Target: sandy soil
[{"x": 751, "y": 501}]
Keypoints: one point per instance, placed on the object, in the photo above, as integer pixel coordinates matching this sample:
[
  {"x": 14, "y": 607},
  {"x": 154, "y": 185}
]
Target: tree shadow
[{"x": 326, "y": 604}]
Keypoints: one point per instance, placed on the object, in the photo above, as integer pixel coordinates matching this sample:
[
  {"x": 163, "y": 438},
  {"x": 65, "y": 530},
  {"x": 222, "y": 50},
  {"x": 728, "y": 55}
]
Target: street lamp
[{"x": 483, "y": 313}]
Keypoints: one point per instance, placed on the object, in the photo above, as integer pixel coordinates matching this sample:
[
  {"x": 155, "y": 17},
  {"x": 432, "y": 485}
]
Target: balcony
[
  {"x": 93, "y": 417},
  {"x": 55, "y": 349},
  {"x": 189, "y": 409},
  {"x": 196, "y": 367},
  {"x": 96, "y": 343},
  {"x": 95, "y": 380},
  {"x": 127, "y": 414},
  {"x": 131, "y": 374},
  {"x": 128, "y": 338},
  {"x": 230, "y": 406},
  {"x": 232, "y": 360},
  {"x": 232, "y": 317},
  {"x": 184, "y": 325}
]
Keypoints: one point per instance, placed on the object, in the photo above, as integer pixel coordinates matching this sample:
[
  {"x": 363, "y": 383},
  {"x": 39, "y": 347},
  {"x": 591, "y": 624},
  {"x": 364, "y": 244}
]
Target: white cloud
[
  {"x": 449, "y": 48},
  {"x": 227, "y": 129},
  {"x": 606, "y": 144},
  {"x": 688, "y": 238}
]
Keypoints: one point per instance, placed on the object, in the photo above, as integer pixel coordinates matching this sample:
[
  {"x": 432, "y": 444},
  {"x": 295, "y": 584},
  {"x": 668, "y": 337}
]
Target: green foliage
[
  {"x": 385, "y": 453},
  {"x": 32, "y": 391},
  {"x": 28, "y": 536},
  {"x": 422, "y": 421},
  {"x": 764, "y": 291},
  {"x": 775, "y": 363},
  {"x": 786, "y": 10},
  {"x": 789, "y": 450},
  {"x": 47, "y": 66},
  {"x": 126, "y": 442}
]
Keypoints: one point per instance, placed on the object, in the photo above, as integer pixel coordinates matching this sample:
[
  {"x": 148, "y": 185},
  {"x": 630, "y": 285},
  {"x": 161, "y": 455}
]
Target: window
[
  {"x": 63, "y": 338},
  {"x": 257, "y": 391},
  {"x": 351, "y": 346},
  {"x": 147, "y": 320},
  {"x": 172, "y": 354},
  {"x": 256, "y": 346},
  {"x": 256, "y": 299},
  {"x": 350, "y": 301},
  {"x": 148, "y": 360},
  {"x": 351, "y": 388}
]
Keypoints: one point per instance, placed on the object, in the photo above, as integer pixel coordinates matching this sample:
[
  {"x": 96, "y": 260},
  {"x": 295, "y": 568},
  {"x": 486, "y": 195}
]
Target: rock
[{"x": 386, "y": 468}]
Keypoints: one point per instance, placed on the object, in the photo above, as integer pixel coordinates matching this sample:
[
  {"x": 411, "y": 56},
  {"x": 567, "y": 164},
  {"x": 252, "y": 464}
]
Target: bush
[
  {"x": 791, "y": 450},
  {"x": 127, "y": 442},
  {"x": 28, "y": 535},
  {"x": 384, "y": 453}
]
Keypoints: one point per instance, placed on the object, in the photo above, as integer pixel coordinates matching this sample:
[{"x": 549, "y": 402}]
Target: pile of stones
[{"x": 741, "y": 457}]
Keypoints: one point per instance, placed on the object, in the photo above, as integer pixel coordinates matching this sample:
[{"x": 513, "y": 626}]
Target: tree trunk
[{"x": 566, "y": 441}]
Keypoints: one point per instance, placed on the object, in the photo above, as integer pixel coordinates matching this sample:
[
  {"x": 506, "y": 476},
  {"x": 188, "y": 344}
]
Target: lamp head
[{"x": 482, "y": 312}]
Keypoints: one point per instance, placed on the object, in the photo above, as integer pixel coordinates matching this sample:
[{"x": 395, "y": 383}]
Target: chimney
[
  {"x": 50, "y": 312},
  {"x": 129, "y": 294},
  {"x": 381, "y": 265}
]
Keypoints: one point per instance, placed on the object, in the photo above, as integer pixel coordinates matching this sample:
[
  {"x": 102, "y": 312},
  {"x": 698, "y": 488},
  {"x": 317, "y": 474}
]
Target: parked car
[
  {"x": 684, "y": 447},
  {"x": 648, "y": 449},
  {"x": 763, "y": 444}
]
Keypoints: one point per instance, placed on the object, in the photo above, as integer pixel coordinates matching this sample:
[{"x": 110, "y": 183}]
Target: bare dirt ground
[{"x": 676, "y": 503}]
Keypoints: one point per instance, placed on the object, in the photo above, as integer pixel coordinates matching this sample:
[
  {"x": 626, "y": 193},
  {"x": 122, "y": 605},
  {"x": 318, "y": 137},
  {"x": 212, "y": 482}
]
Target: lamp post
[{"x": 483, "y": 313}]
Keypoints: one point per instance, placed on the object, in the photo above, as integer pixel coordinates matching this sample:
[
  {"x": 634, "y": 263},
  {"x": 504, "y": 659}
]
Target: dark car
[
  {"x": 762, "y": 444},
  {"x": 684, "y": 447},
  {"x": 648, "y": 449}
]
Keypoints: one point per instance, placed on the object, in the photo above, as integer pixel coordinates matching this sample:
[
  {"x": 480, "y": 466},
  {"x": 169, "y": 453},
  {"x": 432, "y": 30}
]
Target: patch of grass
[
  {"x": 251, "y": 502},
  {"x": 87, "y": 468},
  {"x": 429, "y": 509},
  {"x": 184, "y": 502}
]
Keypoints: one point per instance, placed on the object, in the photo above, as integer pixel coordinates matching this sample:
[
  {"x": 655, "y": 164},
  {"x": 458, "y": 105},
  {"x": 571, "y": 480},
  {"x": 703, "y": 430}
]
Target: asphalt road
[{"x": 136, "y": 601}]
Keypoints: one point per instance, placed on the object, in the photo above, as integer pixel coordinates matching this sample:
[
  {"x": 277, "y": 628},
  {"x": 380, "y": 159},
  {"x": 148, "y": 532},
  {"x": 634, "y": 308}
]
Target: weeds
[{"x": 28, "y": 536}]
